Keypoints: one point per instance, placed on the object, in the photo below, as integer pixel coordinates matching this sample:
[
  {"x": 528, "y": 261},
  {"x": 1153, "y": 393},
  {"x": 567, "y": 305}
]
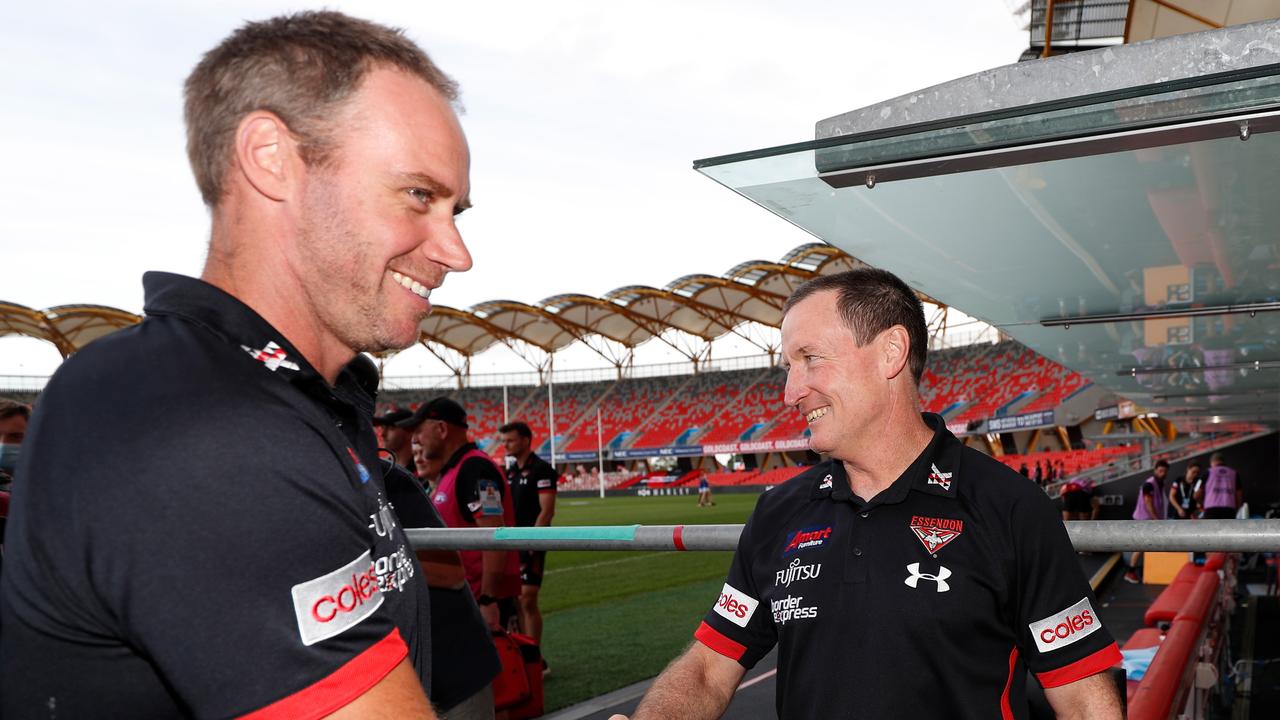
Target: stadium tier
[{"x": 713, "y": 409}]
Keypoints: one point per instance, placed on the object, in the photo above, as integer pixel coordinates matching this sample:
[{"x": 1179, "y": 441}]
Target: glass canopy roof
[{"x": 1132, "y": 236}]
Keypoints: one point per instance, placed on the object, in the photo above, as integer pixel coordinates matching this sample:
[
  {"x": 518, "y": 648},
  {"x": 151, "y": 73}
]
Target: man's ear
[
  {"x": 895, "y": 350},
  {"x": 267, "y": 155}
]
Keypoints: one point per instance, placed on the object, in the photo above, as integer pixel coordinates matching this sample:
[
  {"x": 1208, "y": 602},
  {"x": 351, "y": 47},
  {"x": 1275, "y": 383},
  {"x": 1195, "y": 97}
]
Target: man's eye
[{"x": 422, "y": 196}]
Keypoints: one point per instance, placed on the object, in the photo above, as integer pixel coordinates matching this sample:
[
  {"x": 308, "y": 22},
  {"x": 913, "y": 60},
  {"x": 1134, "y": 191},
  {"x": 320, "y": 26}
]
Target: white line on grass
[{"x": 602, "y": 563}]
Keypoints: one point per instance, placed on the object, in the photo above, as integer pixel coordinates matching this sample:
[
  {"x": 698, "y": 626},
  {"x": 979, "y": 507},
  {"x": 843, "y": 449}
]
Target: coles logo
[
  {"x": 735, "y": 606},
  {"x": 1065, "y": 627},
  {"x": 332, "y": 603},
  {"x": 806, "y": 538}
]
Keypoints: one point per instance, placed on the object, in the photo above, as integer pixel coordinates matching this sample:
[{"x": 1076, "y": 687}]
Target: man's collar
[
  {"x": 230, "y": 319},
  {"x": 932, "y": 472},
  {"x": 456, "y": 457}
]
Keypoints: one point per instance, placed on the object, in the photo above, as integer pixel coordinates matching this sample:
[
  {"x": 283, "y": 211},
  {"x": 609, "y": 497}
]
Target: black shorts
[
  {"x": 1219, "y": 513},
  {"x": 531, "y": 564},
  {"x": 1077, "y": 502}
]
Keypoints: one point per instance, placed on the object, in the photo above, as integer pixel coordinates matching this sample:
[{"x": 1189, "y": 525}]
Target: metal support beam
[{"x": 1089, "y": 535}]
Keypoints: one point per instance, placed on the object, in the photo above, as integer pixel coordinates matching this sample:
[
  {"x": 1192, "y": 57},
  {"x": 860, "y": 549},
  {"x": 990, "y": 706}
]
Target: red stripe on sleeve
[
  {"x": 1082, "y": 668},
  {"x": 1006, "y": 710},
  {"x": 342, "y": 686},
  {"x": 712, "y": 638},
  {"x": 677, "y": 537}
]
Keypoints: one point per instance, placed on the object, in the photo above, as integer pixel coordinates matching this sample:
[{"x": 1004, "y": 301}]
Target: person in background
[
  {"x": 533, "y": 483},
  {"x": 13, "y": 428},
  {"x": 396, "y": 440},
  {"x": 704, "y": 491},
  {"x": 472, "y": 492},
  {"x": 1038, "y": 474},
  {"x": 1183, "y": 492},
  {"x": 1221, "y": 494},
  {"x": 1153, "y": 501}
]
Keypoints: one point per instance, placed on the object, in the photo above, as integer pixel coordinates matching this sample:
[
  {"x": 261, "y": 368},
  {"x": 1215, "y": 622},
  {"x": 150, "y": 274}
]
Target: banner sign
[
  {"x": 576, "y": 456},
  {"x": 756, "y": 446},
  {"x": 1123, "y": 411},
  {"x": 1020, "y": 422},
  {"x": 670, "y": 451}
]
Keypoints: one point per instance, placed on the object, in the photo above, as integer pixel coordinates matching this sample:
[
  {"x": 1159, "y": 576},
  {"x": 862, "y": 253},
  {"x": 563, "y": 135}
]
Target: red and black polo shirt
[
  {"x": 202, "y": 530},
  {"x": 930, "y": 600}
]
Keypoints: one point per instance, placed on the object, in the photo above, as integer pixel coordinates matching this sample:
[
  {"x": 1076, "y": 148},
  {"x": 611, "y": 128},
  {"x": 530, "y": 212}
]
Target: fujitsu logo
[
  {"x": 1065, "y": 627},
  {"x": 916, "y": 576},
  {"x": 332, "y": 603},
  {"x": 795, "y": 572},
  {"x": 806, "y": 538}
]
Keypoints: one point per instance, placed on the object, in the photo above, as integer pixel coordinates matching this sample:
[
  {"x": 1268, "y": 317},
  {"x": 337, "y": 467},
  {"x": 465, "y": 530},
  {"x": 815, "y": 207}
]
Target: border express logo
[
  {"x": 805, "y": 538},
  {"x": 273, "y": 356},
  {"x": 935, "y": 533},
  {"x": 937, "y": 477},
  {"x": 736, "y": 606},
  {"x": 1065, "y": 626}
]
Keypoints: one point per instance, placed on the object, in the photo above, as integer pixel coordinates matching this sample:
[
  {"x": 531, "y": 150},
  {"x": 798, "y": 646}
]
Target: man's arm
[
  {"x": 443, "y": 569},
  {"x": 547, "y": 503},
  {"x": 1090, "y": 698},
  {"x": 398, "y": 695},
  {"x": 1150, "y": 500},
  {"x": 1173, "y": 500},
  {"x": 697, "y": 685},
  {"x": 494, "y": 563}
]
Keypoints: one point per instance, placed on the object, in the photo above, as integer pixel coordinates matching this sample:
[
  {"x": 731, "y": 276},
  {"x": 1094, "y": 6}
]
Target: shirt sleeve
[
  {"x": 261, "y": 554},
  {"x": 479, "y": 489},
  {"x": 1060, "y": 634},
  {"x": 548, "y": 480},
  {"x": 739, "y": 625}
]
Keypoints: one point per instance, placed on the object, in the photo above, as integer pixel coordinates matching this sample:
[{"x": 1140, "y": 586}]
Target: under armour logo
[
  {"x": 937, "y": 477},
  {"x": 917, "y": 576}
]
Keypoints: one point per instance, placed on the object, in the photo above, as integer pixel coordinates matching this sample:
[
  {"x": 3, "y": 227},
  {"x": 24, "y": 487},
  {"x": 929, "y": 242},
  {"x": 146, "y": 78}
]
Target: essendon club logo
[
  {"x": 937, "y": 477},
  {"x": 935, "y": 533},
  {"x": 806, "y": 538}
]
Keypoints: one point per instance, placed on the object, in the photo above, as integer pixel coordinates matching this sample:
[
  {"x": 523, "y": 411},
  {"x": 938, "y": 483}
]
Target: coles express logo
[
  {"x": 1065, "y": 627},
  {"x": 332, "y": 603},
  {"x": 735, "y": 606}
]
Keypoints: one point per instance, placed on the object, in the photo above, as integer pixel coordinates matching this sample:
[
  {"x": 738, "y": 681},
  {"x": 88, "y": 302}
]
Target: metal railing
[{"x": 1086, "y": 535}]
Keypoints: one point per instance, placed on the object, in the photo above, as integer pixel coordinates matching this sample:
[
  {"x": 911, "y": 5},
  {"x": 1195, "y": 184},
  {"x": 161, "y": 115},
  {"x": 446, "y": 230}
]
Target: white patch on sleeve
[
  {"x": 338, "y": 601},
  {"x": 1065, "y": 626},
  {"x": 736, "y": 606}
]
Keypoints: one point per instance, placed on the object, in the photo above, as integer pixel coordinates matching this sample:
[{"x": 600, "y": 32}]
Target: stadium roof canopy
[
  {"x": 1114, "y": 210},
  {"x": 701, "y": 307}
]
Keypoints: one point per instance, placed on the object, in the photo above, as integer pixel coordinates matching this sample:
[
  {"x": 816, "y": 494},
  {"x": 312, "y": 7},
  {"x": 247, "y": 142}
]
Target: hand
[{"x": 491, "y": 616}]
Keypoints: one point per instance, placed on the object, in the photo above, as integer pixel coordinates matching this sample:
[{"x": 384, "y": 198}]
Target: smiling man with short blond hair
[{"x": 267, "y": 574}]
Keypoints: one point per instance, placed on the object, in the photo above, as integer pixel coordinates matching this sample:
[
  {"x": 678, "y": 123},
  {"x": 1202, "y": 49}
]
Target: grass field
[{"x": 613, "y": 618}]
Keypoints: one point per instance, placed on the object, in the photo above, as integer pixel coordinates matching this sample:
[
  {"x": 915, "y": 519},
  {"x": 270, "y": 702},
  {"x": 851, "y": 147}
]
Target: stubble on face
[{"x": 345, "y": 281}]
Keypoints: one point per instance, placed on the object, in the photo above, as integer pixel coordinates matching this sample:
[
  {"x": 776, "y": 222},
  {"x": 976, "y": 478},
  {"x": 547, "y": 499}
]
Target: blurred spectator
[
  {"x": 533, "y": 483},
  {"x": 1038, "y": 474},
  {"x": 1152, "y": 505},
  {"x": 471, "y": 492},
  {"x": 1221, "y": 493},
  {"x": 1022, "y": 470},
  {"x": 13, "y": 428},
  {"x": 396, "y": 440},
  {"x": 1183, "y": 494}
]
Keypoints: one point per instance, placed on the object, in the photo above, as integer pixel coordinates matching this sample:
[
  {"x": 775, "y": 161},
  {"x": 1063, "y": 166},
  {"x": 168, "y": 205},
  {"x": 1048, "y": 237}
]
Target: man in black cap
[
  {"x": 395, "y": 439},
  {"x": 471, "y": 492}
]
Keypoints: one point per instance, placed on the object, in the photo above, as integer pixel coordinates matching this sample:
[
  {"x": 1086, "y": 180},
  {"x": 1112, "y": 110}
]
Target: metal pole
[
  {"x": 505, "y": 417},
  {"x": 551, "y": 407},
  {"x": 600, "y": 450},
  {"x": 1087, "y": 535}
]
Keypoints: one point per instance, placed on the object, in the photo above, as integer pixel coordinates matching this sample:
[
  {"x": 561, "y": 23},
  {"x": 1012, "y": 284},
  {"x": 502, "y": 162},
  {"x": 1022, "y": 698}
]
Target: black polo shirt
[
  {"x": 463, "y": 657},
  {"x": 527, "y": 484},
  {"x": 930, "y": 600},
  {"x": 202, "y": 530}
]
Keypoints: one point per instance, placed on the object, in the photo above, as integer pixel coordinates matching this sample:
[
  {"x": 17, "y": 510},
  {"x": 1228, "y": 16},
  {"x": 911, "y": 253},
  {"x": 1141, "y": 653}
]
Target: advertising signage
[
  {"x": 756, "y": 446},
  {"x": 1020, "y": 422},
  {"x": 1122, "y": 411},
  {"x": 670, "y": 451}
]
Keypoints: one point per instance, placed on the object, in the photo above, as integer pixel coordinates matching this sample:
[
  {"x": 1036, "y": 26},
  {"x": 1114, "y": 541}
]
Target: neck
[
  {"x": 880, "y": 460},
  {"x": 523, "y": 457},
  {"x": 246, "y": 262}
]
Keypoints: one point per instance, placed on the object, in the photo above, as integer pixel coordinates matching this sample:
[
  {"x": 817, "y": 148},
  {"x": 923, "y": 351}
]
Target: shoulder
[
  {"x": 478, "y": 468},
  {"x": 796, "y": 491},
  {"x": 990, "y": 484}
]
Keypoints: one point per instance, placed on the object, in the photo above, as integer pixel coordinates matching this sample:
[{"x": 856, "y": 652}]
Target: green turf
[{"x": 613, "y": 618}]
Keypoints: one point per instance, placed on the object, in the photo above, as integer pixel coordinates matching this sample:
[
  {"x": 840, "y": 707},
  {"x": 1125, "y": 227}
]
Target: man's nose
[
  {"x": 447, "y": 248},
  {"x": 794, "y": 391}
]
